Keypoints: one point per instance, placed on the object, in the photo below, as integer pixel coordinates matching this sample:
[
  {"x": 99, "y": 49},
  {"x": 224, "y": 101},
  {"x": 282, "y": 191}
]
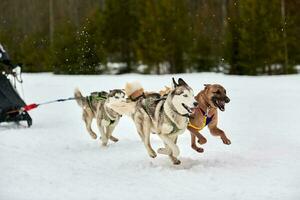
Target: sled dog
[
  {"x": 167, "y": 116},
  {"x": 97, "y": 106},
  {"x": 212, "y": 98}
]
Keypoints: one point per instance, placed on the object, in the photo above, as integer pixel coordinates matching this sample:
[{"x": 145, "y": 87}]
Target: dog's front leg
[
  {"x": 109, "y": 132},
  {"x": 103, "y": 137},
  {"x": 193, "y": 144},
  {"x": 201, "y": 138},
  {"x": 171, "y": 148},
  {"x": 215, "y": 131}
]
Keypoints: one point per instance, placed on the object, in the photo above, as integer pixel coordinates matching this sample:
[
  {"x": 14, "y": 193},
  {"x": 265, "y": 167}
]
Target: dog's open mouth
[
  {"x": 187, "y": 108},
  {"x": 220, "y": 104}
]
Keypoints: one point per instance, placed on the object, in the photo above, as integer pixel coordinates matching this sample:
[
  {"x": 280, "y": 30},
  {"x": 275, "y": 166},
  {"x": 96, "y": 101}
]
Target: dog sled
[{"x": 10, "y": 100}]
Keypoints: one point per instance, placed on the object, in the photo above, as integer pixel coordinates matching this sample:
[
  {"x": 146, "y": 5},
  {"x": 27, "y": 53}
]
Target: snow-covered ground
[{"x": 57, "y": 159}]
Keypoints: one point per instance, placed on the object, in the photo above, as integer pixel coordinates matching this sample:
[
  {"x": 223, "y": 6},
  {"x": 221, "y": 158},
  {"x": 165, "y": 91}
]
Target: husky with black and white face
[{"x": 166, "y": 116}]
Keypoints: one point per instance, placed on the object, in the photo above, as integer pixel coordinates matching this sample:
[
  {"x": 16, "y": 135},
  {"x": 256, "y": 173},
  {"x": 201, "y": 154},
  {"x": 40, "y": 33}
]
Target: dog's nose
[
  {"x": 227, "y": 100},
  {"x": 196, "y": 104}
]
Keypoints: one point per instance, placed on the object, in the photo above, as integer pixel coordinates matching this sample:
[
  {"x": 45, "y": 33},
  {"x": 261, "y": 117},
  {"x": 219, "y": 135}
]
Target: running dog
[
  {"x": 97, "y": 106},
  {"x": 212, "y": 98},
  {"x": 166, "y": 116}
]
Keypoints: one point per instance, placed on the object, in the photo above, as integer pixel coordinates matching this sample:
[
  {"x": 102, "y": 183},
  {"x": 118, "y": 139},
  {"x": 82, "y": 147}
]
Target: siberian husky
[
  {"x": 167, "y": 116},
  {"x": 97, "y": 106}
]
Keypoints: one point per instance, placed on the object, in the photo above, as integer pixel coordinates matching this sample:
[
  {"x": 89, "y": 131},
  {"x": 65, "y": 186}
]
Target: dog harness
[
  {"x": 206, "y": 121},
  {"x": 96, "y": 96}
]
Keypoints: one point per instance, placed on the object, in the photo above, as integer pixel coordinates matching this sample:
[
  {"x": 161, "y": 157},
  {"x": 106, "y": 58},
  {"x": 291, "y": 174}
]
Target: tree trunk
[
  {"x": 157, "y": 68},
  {"x": 283, "y": 18},
  {"x": 235, "y": 34},
  {"x": 51, "y": 22}
]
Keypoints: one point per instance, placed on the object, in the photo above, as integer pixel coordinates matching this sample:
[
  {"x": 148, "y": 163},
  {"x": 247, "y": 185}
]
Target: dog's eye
[
  {"x": 117, "y": 97},
  {"x": 185, "y": 95}
]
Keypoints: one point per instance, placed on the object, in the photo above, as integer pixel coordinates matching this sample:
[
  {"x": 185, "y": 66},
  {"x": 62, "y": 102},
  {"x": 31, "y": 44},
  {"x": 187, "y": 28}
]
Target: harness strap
[
  {"x": 89, "y": 99},
  {"x": 206, "y": 120},
  {"x": 196, "y": 127},
  {"x": 175, "y": 128}
]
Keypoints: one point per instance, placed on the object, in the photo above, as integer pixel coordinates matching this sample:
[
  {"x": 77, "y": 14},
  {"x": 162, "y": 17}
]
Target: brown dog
[{"x": 212, "y": 98}]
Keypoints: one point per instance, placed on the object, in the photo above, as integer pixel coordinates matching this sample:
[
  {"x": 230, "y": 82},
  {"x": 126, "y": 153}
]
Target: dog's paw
[
  {"x": 152, "y": 154},
  {"x": 202, "y": 140},
  {"x": 104, "y": 143},
  {"x": 94, "y": 136},
  {"x": 198, "y": 149},
  {"x": 176, "y": 161},
  {"x": 112, "y": 138},
  {"x": 226, "y": 141}
]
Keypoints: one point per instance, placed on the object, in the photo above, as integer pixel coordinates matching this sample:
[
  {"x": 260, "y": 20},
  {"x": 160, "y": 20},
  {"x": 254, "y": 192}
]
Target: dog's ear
[
  {"x": 174, "y": 83},
  {"x": 182, "y": 82},
  {"x": 197, "y": 97},
  {"x": 206, "y": 86}
]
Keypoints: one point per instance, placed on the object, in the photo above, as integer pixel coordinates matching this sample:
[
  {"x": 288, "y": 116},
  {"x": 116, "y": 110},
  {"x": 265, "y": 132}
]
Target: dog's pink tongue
[{"x": 222, "y": 103}]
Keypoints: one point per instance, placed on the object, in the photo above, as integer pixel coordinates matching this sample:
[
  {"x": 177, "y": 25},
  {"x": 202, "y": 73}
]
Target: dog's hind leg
[
  {"x": 88, "y": 123},
  {"x": 137, "y": 121},
  {"x": 142, "y": 123},
  {"x": 147, "y": 143},
  {"x": 146, "y": 126}
]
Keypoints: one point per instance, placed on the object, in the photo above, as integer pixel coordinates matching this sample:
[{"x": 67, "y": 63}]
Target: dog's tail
[
  {"x": 134, "y": 90},
  {"x": 78, "y": 97}
]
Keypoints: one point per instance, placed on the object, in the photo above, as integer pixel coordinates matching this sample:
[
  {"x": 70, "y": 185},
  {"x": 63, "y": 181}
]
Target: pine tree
[
  {"x": 151, "y": 47},
  {"x": 206, "y": 35},
  {"x": 176, "y": 33},
  {"x": 65, "y": 52},
  {"x": 120, "y": 29},
  {"x": 91, "y": 50}
]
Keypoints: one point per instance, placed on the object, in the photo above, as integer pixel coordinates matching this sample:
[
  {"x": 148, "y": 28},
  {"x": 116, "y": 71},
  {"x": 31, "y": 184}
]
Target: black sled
[{"x": 10, "y": 101}]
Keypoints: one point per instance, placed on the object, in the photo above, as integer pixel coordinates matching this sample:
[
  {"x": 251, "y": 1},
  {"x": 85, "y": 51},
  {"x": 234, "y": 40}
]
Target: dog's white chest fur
[{"x": 180, "y": 122}]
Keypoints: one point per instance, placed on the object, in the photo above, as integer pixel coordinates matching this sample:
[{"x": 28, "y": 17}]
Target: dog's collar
[
  {"x": 111, "y": 119},
  {"x": 203, "y": 112}
]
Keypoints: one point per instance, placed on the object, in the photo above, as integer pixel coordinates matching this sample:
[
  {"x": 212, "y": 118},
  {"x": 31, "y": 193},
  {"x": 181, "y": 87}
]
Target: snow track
[{"x": 57, "y": 159}]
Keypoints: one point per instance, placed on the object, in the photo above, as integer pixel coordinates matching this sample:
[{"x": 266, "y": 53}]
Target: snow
[{"x": 57, "y": 159}]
